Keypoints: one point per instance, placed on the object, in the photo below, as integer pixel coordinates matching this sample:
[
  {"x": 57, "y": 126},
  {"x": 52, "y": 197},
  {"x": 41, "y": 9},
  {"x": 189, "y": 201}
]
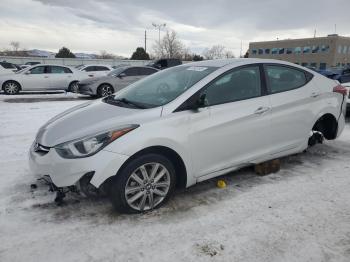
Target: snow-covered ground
[{"x": 302, "y": 213}]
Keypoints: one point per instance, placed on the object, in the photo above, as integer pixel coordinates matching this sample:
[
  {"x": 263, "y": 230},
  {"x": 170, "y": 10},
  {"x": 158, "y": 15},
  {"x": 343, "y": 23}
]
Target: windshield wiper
[{"x": 112, "y": 100}]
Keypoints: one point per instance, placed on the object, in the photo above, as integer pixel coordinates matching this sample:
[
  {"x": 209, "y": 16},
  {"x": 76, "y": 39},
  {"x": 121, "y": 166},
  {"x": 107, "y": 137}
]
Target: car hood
[{"x": 91, "y": 118}]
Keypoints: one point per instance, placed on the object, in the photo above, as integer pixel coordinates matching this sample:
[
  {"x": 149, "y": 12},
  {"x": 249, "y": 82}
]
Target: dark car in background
[
  {"x": 165, "y": 63},
  {"x": 32, "y": 63},
  {"x": 340, "y": 74}
]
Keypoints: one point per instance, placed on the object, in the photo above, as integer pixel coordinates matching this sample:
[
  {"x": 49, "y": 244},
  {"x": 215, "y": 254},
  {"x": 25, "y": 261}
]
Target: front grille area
[{"x": 40, "y": 149}]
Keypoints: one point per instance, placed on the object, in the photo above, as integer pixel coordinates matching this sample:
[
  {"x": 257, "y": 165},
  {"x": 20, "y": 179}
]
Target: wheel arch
[
  {"x": 105, "y": 83},
  {"x": 327, "y": 124},
  {"x": 4, "y": 83},
  {"x": 172, "y": 155}
]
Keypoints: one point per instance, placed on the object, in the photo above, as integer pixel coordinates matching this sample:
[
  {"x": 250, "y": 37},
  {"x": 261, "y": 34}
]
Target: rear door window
[
  {"x": 89, "y": 69},
  {"x": 132, "y": 71},
  {"x": 284, "y": 78},
  {"x": 101, "y": 68},
  {"x": 57, "y": 69},
  {"x": 146, "y": 71}
]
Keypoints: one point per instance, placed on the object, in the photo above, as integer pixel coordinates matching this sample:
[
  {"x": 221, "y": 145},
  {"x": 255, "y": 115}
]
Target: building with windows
[{"x": 318, "y": 52}]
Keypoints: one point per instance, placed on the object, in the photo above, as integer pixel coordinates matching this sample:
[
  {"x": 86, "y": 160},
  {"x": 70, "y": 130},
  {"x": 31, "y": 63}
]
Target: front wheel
[
  {"x": 104, "y": 90},
  {"x": 11, "y": 88},
  {"x": 145, "y": 183},
  {"x": 73, "y": 87}
]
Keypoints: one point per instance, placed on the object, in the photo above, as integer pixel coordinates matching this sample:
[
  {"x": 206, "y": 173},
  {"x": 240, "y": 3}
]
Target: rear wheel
[
  {"x": 73, "y": 87},
  {"x": 145, "y": 183},
  {"x": 105, "y": 90},
  {"x": 11, "y": 88}
]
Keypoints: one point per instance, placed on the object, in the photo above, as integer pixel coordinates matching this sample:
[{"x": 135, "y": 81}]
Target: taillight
[{"x": 340, "y": 89}]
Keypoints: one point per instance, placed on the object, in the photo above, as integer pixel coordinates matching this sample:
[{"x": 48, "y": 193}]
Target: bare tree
[
  {"x": 15, "y": 46},
  {"x": 229, "y": 54},
  {"x": 169, "y": 47},
  {"x": 217, "y": 52},
  {"x": 105, "y": 55}
]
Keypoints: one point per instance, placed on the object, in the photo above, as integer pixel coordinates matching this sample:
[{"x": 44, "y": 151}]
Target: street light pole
[{"x": 159, "y": 27}]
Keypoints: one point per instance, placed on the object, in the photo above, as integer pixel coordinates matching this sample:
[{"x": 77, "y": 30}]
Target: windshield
[
  {"x": 116, "y": 72},
  {"x": 162, "y": 87},
  {"x": 79, "y": 67}
]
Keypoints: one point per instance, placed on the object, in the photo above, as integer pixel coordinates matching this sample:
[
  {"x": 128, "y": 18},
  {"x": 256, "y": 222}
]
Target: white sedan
[
  {"x": 42, "y": 78},
  {"x": 95, "y": 70},
  {"x": 187, "y": 124}
]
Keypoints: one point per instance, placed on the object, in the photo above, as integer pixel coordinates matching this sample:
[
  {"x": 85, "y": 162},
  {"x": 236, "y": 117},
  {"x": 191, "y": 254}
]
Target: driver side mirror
[
  {"x": 199, "y": 102},
  {"x": 27, "y": 73}
]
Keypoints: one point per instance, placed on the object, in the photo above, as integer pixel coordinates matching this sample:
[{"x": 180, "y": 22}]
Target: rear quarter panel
[{"x": 328, "y": 102}]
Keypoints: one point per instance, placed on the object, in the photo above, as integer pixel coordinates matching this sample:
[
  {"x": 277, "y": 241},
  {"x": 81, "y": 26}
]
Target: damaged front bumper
[
  {"x": 83, "y": 186},
  {"x": 68, "y": 172}
]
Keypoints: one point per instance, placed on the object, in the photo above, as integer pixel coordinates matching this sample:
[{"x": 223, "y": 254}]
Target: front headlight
[{"x": 90, "y": 145}]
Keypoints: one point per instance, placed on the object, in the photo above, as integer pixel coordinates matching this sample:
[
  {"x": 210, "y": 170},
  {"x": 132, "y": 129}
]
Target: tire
[
  {"x": 104, "y": 90},
  {"x": 11, "y": 88},
  {"x": 73, "y": 87},
  {"x": 143, "y": 194}
]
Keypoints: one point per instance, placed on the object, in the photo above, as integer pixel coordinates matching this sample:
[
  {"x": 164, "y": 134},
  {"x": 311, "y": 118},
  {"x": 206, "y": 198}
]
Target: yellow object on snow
[{"x": 221, "y": 184}]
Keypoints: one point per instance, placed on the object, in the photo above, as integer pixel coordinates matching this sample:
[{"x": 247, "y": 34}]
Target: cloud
[{"x": 118, "y": 26}]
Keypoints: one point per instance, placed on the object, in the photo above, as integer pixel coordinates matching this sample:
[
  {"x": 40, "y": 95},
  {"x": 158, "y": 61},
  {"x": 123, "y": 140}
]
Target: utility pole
[
  {"x": 240, "y": 53},
  {"x": 159, "y": 27},
  {"x": 145, "y": 41}
]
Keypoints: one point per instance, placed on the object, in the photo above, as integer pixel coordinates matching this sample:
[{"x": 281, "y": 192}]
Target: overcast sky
[{"x": 118, "y": 26}]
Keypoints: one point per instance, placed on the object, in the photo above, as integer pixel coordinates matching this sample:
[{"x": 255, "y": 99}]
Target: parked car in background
[
  {"x": 347, "y": 86},
  {"x": 32, "y": 63},
  {"x": 340, "y": 74},
  {"x": 343, "y": 75},
  {"x": 184, "y": 125},
  {"x": 114, "y": 81},
  {"x": 42, "y": 77},
  {"x": 9, "y": 67},
  {"x": 165, "y": 63},
  {"x": 95, "y": 70}
]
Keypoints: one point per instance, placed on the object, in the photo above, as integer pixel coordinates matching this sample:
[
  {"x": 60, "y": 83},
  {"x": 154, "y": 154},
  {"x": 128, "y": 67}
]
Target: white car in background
[
  {"x": 184, "y": 125},
  {"x": 42, "y": 78},
  {"x": 95, "y": 70},
  {"x": 7, "y": 68}
]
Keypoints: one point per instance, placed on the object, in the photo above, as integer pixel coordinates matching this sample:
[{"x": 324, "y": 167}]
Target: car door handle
[
  {"x": 46, "y": 77},
  {"x": 314, "y": 94},
  {"x": 261, "y": 110}
]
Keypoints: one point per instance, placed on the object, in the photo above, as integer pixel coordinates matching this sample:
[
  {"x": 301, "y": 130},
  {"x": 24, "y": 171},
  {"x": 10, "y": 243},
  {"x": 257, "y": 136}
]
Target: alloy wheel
[
  {"x": 147, "y": 186},
  {"x": 11, "y": 88},
  {"x": 74, "y": 87},
  {"x": 106, "y": 90}
]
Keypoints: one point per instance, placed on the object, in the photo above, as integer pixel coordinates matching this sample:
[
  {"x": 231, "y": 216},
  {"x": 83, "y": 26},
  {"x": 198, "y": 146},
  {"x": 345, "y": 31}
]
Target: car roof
[
  {"x": 232, "y": 61},
  {"x": 131, "y": 66},
  {"x": 96, "y": 65}
]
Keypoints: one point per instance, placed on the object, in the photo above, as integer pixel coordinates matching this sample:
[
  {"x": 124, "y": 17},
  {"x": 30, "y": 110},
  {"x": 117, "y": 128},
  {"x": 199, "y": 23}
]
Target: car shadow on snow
[
  {"x": 46, "y": 99},
  {"x": 184, "y": 202}
]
